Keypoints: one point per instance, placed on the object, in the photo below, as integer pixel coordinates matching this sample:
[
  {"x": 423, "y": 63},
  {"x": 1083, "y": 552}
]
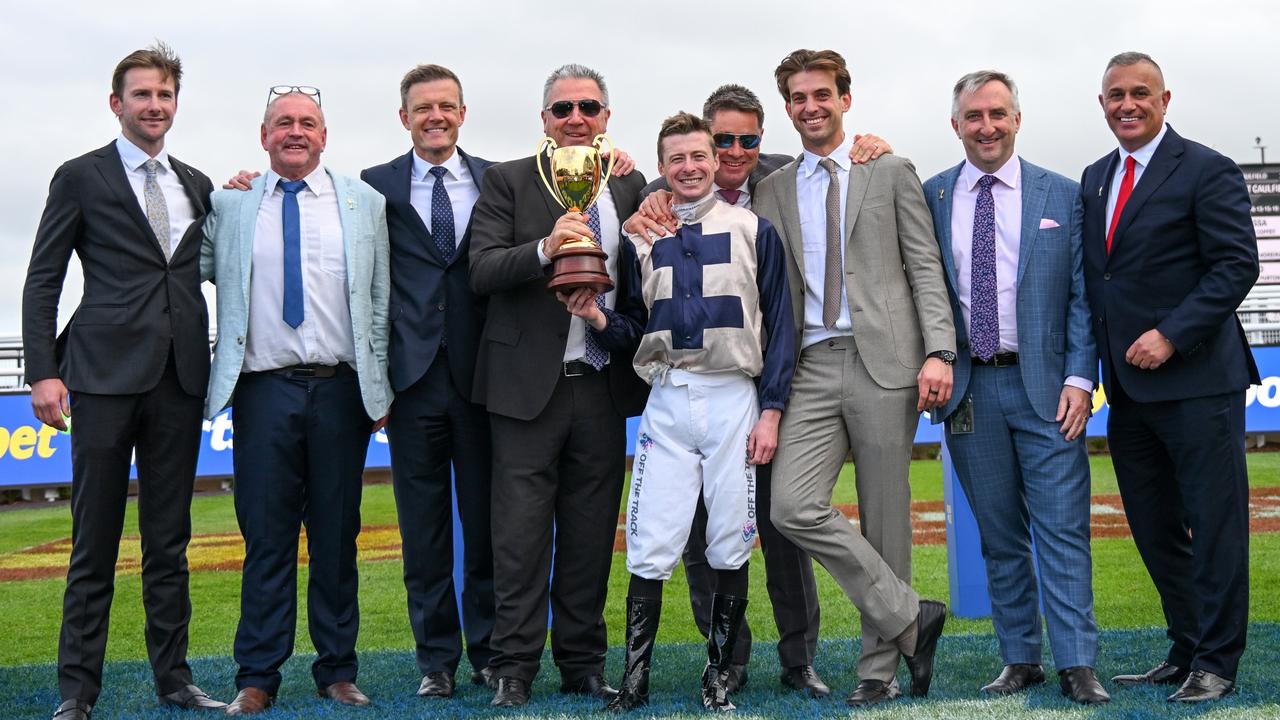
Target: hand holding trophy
[{"x": 577, "y": 180}]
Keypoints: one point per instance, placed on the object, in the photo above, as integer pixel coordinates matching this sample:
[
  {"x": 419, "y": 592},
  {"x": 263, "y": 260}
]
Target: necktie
[
  {"x": 1126, "y": 189},
  {"x": 157, "y": 210},
  {"x": 729, "y": 196},
  {"x": 984, "y": 309},
  {"x": 595, "y": 355},
  {"x": 442, "y": 215},
  {"x": 833, "y": 275},
  {"x": 292, "y": 253}
]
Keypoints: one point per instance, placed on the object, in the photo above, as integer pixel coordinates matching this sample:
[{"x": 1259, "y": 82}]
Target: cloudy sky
[{"x": 657, "y": 56}]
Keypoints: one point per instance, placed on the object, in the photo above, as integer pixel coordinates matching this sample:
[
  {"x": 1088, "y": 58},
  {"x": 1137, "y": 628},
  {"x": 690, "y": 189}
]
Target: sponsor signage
[{"x": 1263, "y": 182}]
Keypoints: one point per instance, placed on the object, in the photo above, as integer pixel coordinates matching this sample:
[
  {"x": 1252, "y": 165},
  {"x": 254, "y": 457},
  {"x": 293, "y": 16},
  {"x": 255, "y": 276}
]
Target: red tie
[
  {"x": 729, "y": 196},
  {"x": 1126, "y": 189}
]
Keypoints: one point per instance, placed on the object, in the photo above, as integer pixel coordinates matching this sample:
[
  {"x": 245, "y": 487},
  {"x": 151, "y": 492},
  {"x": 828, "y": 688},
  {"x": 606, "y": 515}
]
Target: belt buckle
[
  {"x": 574, "y": 369},
  {"x": 302, "y": 372}
]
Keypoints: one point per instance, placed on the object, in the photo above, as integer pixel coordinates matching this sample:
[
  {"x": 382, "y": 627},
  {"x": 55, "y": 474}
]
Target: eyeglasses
[
  {"x": 278, "y": 90},
  {"x": 724, "y": 141},
  {"x": 564, "y": 108}
]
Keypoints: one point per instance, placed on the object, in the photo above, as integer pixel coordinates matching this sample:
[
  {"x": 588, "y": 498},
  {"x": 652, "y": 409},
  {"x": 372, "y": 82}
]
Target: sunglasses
[
  {"x": 278, "y": 90},
  {"x": 724, "y": 141},
  {"x": 564, "y": 108}
]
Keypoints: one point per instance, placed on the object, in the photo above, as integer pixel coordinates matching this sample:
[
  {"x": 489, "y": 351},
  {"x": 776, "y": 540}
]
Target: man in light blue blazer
[
  {"x": 301, "y": 263},
  {"x": 1010, "y": 236}
]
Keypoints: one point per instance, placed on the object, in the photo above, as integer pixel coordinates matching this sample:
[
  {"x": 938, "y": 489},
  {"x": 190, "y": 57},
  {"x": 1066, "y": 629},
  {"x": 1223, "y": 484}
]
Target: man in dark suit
[
  {"x": 131, "y": 367},
  {"x": 557, "y": 403},
  {"x": 435, "y": 332},
  {"x": 1170, "y": 253}
]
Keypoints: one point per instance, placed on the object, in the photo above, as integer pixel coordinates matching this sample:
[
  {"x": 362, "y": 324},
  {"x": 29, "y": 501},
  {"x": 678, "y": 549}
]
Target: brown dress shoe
[
  {"x": 250, "y": 701},
  {"x": 346, "y": 693}
]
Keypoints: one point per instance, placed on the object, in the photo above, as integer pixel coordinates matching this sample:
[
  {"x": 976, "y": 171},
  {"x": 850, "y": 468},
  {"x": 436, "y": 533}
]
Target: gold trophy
[{"x": 577, "y": 182}]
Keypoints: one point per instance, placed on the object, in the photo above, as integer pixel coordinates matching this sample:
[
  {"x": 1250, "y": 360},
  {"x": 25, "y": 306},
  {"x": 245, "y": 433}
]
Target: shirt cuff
[
  {"x": 1076, "y": 381},
  {"x": 542, "y": 258}
]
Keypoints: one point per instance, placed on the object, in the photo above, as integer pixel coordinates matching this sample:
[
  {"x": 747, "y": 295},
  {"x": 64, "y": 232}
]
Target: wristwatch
[{"x": 945, "y": 356}]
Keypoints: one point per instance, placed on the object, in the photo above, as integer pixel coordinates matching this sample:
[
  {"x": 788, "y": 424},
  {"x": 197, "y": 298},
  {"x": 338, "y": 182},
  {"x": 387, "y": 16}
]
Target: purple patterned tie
[
  {"x": 596, "y": 355},
  {"x": 984, "y": 309}
]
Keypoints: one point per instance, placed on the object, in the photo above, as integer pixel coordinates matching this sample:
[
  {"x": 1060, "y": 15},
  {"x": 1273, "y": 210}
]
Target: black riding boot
[
  {"x": 726, "y": 621},
  {"x": 642, "y": 628}
]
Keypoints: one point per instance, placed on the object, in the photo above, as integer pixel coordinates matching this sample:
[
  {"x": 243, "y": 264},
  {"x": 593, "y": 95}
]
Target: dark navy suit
[
  {"x": 434, "y": 425},
  {"x": 1183, "y": 257}
]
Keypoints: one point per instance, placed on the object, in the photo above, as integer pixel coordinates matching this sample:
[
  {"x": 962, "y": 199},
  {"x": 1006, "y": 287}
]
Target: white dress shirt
[
  {"x": 811, "y": 200},
  {"x": 575, "y": 347},
  {"x": 181, "y": 212},
  {"x": 462, "y": 190},
  {"x": 325, "y": 335},
  {"x": 1141, "y": 159}
]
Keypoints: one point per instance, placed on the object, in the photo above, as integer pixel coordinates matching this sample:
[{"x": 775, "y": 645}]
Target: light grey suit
[{"x": 859, "y": 393}]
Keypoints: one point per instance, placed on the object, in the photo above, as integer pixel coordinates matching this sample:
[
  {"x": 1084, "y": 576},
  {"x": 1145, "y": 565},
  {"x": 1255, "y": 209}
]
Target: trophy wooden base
[{"x": 579, "y": 265}]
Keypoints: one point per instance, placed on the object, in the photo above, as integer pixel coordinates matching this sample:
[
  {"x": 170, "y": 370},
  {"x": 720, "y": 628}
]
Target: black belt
[
  {"x": 1004, "y": 359},
  {"x": 308, "y": 371},
  {"x": 578, "y": 368}
]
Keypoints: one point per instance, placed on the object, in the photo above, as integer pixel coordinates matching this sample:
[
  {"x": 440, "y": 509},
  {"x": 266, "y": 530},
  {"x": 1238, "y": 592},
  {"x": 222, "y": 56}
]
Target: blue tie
[
  {"x": 292, "y": 253},
  {"x": 442, "y": 215},
  {"x": 984, "y": 308},
  {"x": 596, "y": 355}
]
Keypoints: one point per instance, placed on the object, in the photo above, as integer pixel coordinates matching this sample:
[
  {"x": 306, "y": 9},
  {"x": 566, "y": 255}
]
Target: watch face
[{"x": 945, "y": 356}]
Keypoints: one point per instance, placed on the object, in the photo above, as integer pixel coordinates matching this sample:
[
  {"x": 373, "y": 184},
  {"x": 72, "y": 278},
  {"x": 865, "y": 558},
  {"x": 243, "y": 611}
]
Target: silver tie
[{"x": 157, "y": 210}]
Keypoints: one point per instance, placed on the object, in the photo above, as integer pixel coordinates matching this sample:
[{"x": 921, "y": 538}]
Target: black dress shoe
[
  {"x": 1082, "y": 686},
  {"x": 1201, "y": 686},
  {"x": 933, "y": 615},
  {"x": 485, "y": 676},
  {"x": 512, "y": 692},
  {"x": 1015, "y": 678},
  {"x": 192, "y": 698},
  {"x": 804, "y": 679},
  {"x": 873, "y": 692},
  {"x": 735, "y": 678},
  {"x": 593, "y": 685},
  {"x": 73, "y": 710},
  {"x": 1162, "y": 674},
  {"x": 437, "y": 684}
]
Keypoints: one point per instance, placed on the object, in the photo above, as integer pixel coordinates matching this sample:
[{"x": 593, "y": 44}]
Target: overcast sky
[{"x": 657, "y": 57}]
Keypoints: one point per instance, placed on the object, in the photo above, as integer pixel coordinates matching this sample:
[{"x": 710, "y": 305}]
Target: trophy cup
[{"x": 577, "y": 180}]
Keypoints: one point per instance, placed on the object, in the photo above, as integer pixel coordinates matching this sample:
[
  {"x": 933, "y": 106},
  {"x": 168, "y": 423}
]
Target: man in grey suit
[
  {"x": 877, "y": 343},
  {"x": 1010, "y": 235}
]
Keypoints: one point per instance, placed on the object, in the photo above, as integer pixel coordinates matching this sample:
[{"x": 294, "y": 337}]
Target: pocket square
[{"x": 1048, "y": 224}]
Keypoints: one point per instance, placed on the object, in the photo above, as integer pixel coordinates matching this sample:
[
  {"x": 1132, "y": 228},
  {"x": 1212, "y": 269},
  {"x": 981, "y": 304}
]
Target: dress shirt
[
  {"x": 1141, "y": 159},
  {"x": 811, "y": 200},
  {"x": 744, "y": 196},
  {"x": 575, "y": 347},
  {"x": 181, "y": 212},
  {"x": 325, "y": 335},
  {"x": 462, "y": 190},
  {"x": 1006, "y": 192}
]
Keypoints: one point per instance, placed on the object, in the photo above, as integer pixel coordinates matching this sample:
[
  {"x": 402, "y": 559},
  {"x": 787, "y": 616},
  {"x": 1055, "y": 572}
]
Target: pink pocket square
[{"x": 1048, "y": 224}]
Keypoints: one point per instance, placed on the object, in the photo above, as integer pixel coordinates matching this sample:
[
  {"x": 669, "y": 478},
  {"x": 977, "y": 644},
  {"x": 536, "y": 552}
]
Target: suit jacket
[
  {"x": 1054, "y": 337},
  {"x": 135, "y": 306},
  {"x": 428, "y": 294},
  {"x": 892, "y": 269},
  {"x": 767, "y": 164},
  {"x": 522, "y": 348},
  {"x": 226, "y": 259},
  {"x": 1183, "y": 257}
]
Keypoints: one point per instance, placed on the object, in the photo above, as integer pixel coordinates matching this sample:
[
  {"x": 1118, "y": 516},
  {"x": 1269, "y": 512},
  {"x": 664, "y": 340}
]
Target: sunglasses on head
[
  {"x": 724, "y": 141},
  {"x": 564, "y": 108},
  {"x": 278, "y": 90}
]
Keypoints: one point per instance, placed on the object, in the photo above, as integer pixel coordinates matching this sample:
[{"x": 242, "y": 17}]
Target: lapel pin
[
  {"x": 351, "y": 203},
  {"x": 1099, "y": 191},
  {"x": 941, "y": 193}
]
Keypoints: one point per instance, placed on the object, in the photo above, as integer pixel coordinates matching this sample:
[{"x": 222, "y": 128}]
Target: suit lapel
[
  {"x": 554, "y": 211},
  {"x": 347, "y": 207},
  {"x": 199, "y": 204},
  {"x": 1167, "y": 156},
  {"x": 1035, "y": 194},
  {"x": 943, "y": 224},
  {"x": 112, "y": 169},
  {"x": 250, "y": 203},
  {"x": 1096, "y": 215},
  {"x": 401, "y": 192},
  {"x": 787, "y": 208},
  {"x": 477, "y": 170},
  {"x": 859, "y": 181}
]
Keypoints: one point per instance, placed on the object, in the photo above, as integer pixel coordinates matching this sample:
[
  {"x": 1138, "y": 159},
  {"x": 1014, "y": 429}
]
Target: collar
[
  {"x": 133, "y": 156},
  {"x": 1142, "y": 155},
  {"x": 317, "y": 182},
  {"x": 809, "y": 163},
  {"x": 1009, "y": 174},
  {"x": 693, "y": 212},
  {"x": 421, "y": 167}
]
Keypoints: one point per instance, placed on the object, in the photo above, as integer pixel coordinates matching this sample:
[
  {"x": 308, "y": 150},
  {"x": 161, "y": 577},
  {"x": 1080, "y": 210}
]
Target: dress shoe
[
  {"x": 1082, "y": 686},
  {"x": 873, "y": 692},
  {"x": 512, "y": 692},
  {"x": 1015, "y": 678},
  {"x": 1162, "y": 674},
  {"x": 250, "y": 701},
  {"x": 192, "y": 698},
  {"x": 933, "y": 615},
  {"x": 344, "y": 692},
  {"x": 1202, "y": 685},
  {"x": 804, "y": 679},
  {"x": 735, "y": 678},
  {"x": 73, "y": 710},
  {"x": 593, "y": 685},
  {"x": 485, "y": 676},
  {"x": 437, "y": 684}
]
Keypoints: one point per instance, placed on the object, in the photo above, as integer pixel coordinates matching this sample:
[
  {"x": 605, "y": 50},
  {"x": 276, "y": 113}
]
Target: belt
[
  {"x": 308, "y": 371},
  {"x": 1004, "y": 359},
  {"x": 578, "y": 368}
]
